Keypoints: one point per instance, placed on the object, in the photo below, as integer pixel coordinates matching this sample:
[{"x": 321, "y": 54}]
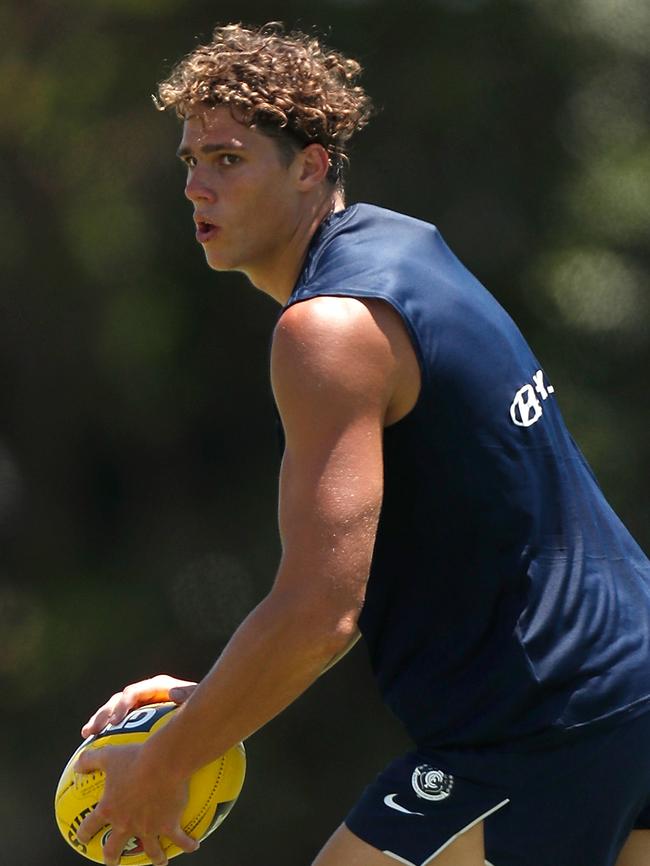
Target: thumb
[
  {"x": 179, "y": 694},
  {"x": 89, "y": 760}
]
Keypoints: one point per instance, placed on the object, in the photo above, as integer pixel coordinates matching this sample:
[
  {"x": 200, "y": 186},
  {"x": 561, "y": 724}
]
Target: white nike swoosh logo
[{"x": 389, "y": 800}]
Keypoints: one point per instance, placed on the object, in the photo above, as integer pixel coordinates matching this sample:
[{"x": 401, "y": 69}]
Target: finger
[
  {"x": 91, "y": 759},
  {"x": 91, "y": 825},
  {"x": 179, "y": 694},
  {"x": 182, "y": 840},
  {"x": 154, "y": 689},
  {"x": 131, "y": 698},
  {"x": 145, "y": 692},
  {"x": 98, "y": 721},
  {"x": 121, "y": 703},
  {"x": 172, "y": 688},
  {"x": 116, "y": 842},
  {"x": 154, "y": 851}
]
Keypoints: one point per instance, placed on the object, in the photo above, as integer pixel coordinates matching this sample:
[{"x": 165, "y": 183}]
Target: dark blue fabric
[
  {"x": 506, "y": 601},
  {"x": 570, "y": 804}
]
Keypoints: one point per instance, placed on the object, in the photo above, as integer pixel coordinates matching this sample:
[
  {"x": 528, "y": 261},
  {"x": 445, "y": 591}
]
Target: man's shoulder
[
  {"x": 327, "y": 323},
  {"x": 364, "y": 216},
  {"x": 345, "y": 348},
  {"x": 357, "y": 248}
]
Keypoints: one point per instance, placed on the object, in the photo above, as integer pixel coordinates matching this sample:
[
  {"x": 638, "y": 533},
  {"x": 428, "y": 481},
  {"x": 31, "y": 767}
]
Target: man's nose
[{"x": 197, "y": 189}]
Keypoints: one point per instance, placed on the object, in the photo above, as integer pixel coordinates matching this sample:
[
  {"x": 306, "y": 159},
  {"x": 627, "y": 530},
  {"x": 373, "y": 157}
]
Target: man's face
[{"x": 245, "y": 203}]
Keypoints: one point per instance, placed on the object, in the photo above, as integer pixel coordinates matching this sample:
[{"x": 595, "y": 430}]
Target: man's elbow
[
  {"x": 343, "y": 632},
  {"x": 331, "y": 629},
  {"x": 347, "y": 639},
  {"x": 328, "y": 627}
]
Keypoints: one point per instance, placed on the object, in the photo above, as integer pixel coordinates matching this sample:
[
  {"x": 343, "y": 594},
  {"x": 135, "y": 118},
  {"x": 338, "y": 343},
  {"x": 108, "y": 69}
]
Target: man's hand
[
  {"x": 137, "y": 802},
  {"x": 157, "y": 689}
]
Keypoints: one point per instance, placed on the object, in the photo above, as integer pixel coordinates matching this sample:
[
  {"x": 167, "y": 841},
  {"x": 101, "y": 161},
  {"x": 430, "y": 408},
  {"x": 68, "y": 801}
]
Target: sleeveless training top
[{"x": 507, "y": 603}]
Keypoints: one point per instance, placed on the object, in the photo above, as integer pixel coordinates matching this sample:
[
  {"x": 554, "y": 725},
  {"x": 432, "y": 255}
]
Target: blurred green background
[{"x": 138, "y": 457}]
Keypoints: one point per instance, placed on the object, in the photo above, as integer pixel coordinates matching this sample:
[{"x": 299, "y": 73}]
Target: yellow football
[{"x": 213, "y": 789}]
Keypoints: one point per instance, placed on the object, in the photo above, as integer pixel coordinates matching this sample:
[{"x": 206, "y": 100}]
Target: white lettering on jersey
[{"x": 526, "y": 409}]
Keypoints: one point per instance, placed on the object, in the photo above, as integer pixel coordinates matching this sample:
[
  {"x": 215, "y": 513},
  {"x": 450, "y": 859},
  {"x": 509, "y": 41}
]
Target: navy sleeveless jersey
[{"x": 506, "y": 604}]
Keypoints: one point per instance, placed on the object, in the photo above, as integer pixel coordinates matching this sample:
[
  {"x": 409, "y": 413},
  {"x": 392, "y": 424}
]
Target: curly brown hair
[{"x": 288, "y": 85}]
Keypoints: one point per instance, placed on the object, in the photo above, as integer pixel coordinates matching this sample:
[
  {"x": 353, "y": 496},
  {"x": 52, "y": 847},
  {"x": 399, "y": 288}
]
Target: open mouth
[{"x": 205, "y": 231}]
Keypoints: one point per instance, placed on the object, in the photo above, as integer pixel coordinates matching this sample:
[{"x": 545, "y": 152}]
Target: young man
[{"x": 430, "y": 497}]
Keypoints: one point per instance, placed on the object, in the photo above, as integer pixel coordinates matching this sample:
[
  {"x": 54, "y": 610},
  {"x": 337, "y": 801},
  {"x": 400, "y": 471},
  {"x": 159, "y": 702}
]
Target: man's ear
[{"x": 313, "y": 165}]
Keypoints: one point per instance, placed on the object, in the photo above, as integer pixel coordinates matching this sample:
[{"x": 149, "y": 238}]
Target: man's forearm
[{"x": 279, "y": 651}]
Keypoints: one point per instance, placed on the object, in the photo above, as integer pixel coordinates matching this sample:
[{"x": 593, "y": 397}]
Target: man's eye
[
  {"x": 229, "y": 159},
  {"x": 189, "y": 161}
]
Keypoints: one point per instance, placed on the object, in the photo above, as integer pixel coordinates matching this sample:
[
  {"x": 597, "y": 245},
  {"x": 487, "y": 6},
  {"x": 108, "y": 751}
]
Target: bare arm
[{"x": 335, "y": 376}]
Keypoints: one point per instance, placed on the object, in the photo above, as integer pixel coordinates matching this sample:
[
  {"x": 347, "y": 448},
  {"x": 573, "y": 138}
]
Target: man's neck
[{"x": 279, "y": 278}]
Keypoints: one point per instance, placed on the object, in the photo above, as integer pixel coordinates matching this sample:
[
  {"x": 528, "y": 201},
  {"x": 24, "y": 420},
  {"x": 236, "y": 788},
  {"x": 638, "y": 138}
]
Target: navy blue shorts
[{"x": 572, "y": 804}]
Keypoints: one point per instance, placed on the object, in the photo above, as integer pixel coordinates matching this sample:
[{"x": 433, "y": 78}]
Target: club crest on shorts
[{"x": 431, "y": 784}]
